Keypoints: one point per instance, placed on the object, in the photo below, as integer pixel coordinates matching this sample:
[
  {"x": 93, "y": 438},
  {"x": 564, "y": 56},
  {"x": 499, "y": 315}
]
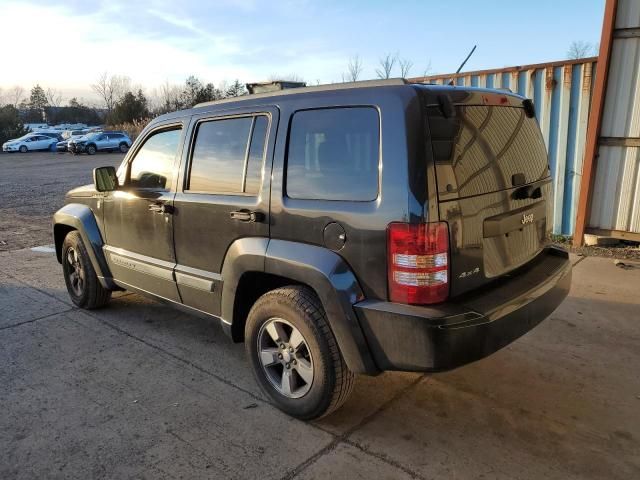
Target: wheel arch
[
  {"x": 254, "y": 266},
  {"x": 75, "y": 216}
]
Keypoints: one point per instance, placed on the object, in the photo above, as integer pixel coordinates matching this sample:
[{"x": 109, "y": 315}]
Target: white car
[{"x": 31, "y": 141}]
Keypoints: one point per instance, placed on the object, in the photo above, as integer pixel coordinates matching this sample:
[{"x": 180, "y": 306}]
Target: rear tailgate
[{"x": 493, "y": 181}]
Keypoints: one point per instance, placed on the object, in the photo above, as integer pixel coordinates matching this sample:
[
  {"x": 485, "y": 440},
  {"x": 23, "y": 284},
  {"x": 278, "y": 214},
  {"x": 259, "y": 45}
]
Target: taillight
[{"x": 418, "y": 262}]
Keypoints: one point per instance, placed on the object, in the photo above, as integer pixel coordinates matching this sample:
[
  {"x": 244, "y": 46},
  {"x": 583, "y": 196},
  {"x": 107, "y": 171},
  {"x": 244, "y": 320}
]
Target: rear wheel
[
  {"x": 124, "y": 147},
  {"x": 23, "y": 149},
  {"x": 80, "y": 277},
  {"x": 91, "y": 150},
  {"x": 294, "y": 355}
]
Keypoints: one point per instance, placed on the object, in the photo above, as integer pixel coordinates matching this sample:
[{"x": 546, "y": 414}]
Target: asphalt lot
[{"x": 139, "y": 390}]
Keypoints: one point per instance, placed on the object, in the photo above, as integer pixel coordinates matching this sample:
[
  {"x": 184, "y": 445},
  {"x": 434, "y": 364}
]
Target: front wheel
[
  {"x": 91, "y": 150},
  {"x": 124, "y": 147},
  {"x": 295, "y": 357},
  {"x": 80, "y": 277},
  {"x": 23, "y": 149}
]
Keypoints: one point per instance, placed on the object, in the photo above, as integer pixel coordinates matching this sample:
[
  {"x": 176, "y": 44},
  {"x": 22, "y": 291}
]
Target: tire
[
  {"x": 91, "y": 150},
  {"x": 23, "y": 149},
  {"x": 280, "y": 313},
  {"x": 80, "y": 277},
  {"x": 123, "y": 147}
]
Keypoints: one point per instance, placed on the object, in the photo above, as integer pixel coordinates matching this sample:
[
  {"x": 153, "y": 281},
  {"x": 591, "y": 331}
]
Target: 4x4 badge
[{"x": 527, "y": 218}]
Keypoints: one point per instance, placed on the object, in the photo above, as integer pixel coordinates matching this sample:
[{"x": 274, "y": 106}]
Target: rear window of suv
[
  {"x": 333, "y": 154},
  {"x": 483, "y": 149}
]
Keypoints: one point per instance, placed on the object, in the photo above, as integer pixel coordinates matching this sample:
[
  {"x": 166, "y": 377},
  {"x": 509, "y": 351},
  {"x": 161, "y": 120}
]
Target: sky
[{"x": 66, "y": 44}]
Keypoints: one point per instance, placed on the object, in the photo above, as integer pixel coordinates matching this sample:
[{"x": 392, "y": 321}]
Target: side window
[
  {"x": 223, "y": 161},
  {"x": 333, "y": 154},
  {"x": 152, "y": 167}
]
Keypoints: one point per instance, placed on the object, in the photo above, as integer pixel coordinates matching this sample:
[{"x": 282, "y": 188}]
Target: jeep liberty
[{"x": 335, "y": 230}]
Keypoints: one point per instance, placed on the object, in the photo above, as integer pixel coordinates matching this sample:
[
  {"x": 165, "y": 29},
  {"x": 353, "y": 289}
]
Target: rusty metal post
[{"x": 595, "y": 121}]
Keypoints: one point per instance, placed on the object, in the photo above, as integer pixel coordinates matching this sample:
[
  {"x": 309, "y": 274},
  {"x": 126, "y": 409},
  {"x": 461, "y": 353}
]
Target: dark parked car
[{"x": 339, "y": 229}]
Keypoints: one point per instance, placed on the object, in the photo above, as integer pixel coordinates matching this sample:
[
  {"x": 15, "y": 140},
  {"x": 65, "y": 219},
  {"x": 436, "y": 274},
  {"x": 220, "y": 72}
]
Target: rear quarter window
[{"x": 333, "y": 154}]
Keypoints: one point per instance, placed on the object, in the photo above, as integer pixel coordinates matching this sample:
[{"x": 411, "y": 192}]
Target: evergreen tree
[{"x": 130, "y": 108}]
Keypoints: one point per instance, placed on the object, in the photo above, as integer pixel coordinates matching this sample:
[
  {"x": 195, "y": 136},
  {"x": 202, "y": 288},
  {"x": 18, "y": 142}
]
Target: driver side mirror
[{"x": 105, "y": 179}]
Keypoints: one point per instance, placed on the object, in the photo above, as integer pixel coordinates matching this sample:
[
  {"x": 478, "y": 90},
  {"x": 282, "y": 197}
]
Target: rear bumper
[{"x": 446, "y": 336}]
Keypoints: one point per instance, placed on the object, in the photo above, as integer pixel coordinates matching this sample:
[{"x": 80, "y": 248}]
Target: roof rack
[{"x": 318, "y": 88}]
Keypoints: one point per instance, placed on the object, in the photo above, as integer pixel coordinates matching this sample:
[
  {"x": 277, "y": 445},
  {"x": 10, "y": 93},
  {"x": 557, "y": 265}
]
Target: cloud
[{"x": 68, "y": 45}]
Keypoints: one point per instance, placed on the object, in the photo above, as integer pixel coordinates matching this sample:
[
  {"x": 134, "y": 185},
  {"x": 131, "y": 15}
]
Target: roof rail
[{"x": 317, "y": 88}]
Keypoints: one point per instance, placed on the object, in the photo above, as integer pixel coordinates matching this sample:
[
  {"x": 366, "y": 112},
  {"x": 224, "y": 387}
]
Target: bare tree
[
  {"x": 354, "y": 69},
  {"x": 54, "y": 97},
  {"x": 405, "y": 66},
  {"x": 581, "y": 49},
  {"x": 169, "y": 97},
  {"x": 427, "y": 70},
  {"x": 386, "y": 66},
  {"x": 111, "y": 88},
  {"x": 15, "y": 96}
]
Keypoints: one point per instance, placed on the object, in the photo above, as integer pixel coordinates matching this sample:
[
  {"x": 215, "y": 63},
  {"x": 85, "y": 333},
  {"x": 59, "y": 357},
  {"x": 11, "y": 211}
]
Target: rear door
[
  {"x": 114, "y": 140},
  {"x": 223, "y": 195},
  {"x": 493, "y": 183},
  {"x": 40, "y": 142}
]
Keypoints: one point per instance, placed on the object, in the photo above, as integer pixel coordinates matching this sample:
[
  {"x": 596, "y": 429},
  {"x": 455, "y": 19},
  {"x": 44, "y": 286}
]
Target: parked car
[
  {"x": 67, "y": 134},
  {"x": 335, "y": 230},
  {"x": 75, "y": 135},
  {"x": 100, "y": 141},
  {"x": 29, "y": 142},
  {"x": 55, "y": 135}
]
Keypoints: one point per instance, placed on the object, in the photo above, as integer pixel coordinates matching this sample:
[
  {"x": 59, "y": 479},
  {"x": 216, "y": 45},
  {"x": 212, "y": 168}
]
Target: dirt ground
[{"x": 30, "y": 193}]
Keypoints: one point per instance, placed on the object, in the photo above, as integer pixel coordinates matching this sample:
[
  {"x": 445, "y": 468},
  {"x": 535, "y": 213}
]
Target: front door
[
  {"x": 222, "y": 196},
  {"x": 138, "y": 217}
]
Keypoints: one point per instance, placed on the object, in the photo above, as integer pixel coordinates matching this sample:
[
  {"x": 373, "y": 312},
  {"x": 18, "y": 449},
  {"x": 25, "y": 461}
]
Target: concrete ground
[{"x": 139, "y": 390}]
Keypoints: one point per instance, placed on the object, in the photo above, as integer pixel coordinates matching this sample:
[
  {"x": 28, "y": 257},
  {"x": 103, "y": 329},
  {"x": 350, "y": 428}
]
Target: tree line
[{"x": 121, "y": 102}]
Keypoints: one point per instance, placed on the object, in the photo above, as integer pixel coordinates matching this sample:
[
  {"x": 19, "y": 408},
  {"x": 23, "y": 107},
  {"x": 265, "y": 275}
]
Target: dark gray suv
[{"x": 341, "y": 229}]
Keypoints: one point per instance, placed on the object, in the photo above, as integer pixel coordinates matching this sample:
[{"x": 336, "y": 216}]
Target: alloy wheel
[
  {"x": 285, "y": 358},
  {"x": 76, "y": 272}
]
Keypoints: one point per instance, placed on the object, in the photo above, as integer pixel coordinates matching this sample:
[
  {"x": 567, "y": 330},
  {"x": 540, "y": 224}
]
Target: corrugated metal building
[
  {"x": 561, "y": 92},
  {"x": 613, "y": 194}
]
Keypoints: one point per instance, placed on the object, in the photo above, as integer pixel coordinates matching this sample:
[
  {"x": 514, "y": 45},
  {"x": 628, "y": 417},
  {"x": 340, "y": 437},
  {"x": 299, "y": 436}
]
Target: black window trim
[
  {"x": 287, "y": 198},
  {"x": 213, "y": 118},
  {"x": 133, "y": 153}
]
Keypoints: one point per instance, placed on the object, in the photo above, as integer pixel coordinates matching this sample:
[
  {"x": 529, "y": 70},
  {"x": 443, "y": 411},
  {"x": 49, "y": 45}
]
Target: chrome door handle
[
  {"x": 160, "y": 208},
  {"x": 246, "y": 216}
]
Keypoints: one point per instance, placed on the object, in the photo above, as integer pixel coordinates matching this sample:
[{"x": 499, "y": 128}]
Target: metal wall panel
[
  {"x": 561, "y": 93},
  {"x": 615, "y": 203}
]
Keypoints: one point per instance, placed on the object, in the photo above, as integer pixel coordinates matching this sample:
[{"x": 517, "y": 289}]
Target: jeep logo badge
[{"x": 527, "y": 218}]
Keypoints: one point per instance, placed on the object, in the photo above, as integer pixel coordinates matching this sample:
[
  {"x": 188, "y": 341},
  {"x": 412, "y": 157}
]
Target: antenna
[{"x": 463, "y": 63}]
